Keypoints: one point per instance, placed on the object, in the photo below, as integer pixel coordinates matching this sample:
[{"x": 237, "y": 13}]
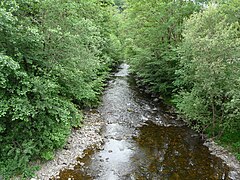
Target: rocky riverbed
[
  {"x": 88, "y": 136},
  {"x": 143, "y": 139},
  {"x": 228, "y": 158},
  {"x": 132, "y": 136}
]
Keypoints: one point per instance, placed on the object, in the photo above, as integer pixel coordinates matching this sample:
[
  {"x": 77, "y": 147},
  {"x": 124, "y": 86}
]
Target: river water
[{"x": 144, "y": 141}]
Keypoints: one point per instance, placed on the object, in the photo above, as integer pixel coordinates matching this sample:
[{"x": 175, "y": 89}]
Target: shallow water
[{"x": 144, "y": 141}]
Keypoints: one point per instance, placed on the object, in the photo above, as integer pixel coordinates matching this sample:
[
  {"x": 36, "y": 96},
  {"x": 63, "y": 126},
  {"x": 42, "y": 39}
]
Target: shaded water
[{"x": 144, "y": 141}]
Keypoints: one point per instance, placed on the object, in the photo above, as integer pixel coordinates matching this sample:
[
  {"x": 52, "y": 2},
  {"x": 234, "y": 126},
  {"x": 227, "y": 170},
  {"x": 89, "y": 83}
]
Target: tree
[
  {"x": 54, "y": 58},
  {"x": 209, "y": 73},
  {"x": 153, "y": 32}
]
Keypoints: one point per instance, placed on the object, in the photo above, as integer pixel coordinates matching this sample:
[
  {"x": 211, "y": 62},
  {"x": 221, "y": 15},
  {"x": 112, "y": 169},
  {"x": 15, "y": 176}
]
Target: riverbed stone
[
  {"x": 155, "y": 100},
  {"x": 226, "y": 156}
]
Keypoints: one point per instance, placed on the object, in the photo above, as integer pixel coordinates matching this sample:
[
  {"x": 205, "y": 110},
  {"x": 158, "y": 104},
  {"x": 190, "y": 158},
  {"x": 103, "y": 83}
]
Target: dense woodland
[
  {"x": 55, "y": 56},
  {"x": 189, "y": 52}
]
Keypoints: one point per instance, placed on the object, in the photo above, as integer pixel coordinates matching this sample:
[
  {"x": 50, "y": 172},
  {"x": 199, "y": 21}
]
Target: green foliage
[
  {"x": 209, "y": 75},
  {"x": 231, "y": 139},
  {"x": 152, "y": 32},
  {"x": 189, "y": 50},
  {"x": 119, "y": 2},
  {"x": 54, "y": 58}
]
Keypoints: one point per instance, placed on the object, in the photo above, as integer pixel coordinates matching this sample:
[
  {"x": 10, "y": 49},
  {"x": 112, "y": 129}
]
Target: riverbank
[
  {"x": 229, "y": 157},
  {"x": 143, "y": 138},
  {"x": 126, "y": 137},
  {"x": 88, "y": 136}
]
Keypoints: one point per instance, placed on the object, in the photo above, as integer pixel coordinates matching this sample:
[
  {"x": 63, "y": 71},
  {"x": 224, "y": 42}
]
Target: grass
[{"x": 231, "y": 140}]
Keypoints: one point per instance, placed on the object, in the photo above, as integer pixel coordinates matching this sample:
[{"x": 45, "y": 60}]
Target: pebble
[
  {"x": 81, "y": 164},
  {"x": 233, "y": 175},
  {"x": 118, "y": 138},
  {"x": 155, "y": 100},
  {"x": 130, "y": 110}
]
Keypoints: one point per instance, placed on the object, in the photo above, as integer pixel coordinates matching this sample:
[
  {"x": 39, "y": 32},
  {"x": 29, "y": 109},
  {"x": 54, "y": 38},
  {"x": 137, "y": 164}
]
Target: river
[{"x": 143, "y": 140}]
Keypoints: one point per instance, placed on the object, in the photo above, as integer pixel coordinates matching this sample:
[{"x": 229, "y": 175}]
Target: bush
[
  {"x": 209, "y": 74},
  {"x": 53, "y": 61},
  {"x": 153, "y": 32}
]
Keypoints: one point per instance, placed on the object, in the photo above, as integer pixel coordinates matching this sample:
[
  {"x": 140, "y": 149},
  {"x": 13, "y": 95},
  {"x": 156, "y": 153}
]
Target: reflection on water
[
  {"x": 174, "y": 153},
  {"x": 144, "y": 142}
]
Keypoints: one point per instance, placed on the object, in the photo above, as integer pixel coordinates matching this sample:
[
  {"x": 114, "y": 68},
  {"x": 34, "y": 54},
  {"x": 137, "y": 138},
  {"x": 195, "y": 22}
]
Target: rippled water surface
[{"x": 144, "y": 141}]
